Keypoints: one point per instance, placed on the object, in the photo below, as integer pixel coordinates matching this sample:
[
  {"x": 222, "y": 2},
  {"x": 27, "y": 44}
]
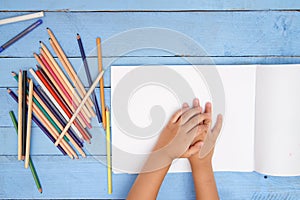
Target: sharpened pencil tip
[
  {"x": 47, "y": 28},
  {"x": 13, "y": 73},
  {"x": 40, "y": 190},
  {"x": 8, "y": 90},
  {"x": 78, "y": 36},
  {"x": 40, "y": 41}
]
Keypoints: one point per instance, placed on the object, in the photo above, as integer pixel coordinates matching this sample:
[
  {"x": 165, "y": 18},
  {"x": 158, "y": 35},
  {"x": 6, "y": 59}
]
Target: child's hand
[
  {"x": 177, "y": 137},
  {"x": 208, "y": 135}
]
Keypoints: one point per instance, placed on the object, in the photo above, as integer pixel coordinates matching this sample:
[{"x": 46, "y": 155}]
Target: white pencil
[
  {"x": 20, "y": 99},
  {"x": 21, "y": 18},
  {"x": 86, "y": 97},
  {"x": 28, "y": 134}
]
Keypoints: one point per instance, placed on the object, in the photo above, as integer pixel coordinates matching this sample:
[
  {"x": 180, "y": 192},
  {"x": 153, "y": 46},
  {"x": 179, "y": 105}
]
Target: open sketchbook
[{"x": 261, "y": 129}]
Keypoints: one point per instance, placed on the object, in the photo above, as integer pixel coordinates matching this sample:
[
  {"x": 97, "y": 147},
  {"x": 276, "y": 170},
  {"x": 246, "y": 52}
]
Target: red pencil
[
  {"x": 42, "y": 78},
  {"x": 68, "y": 97}
]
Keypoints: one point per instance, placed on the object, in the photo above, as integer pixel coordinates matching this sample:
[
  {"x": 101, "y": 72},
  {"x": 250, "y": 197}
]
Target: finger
[
  {"x": 218, "y": 126},
  {"x": 185, "y": 105},
  {"x": 208, "y": 109},
  {"x": 189, "y": 114},
  {"x": 196, "y": 103},
  {"x": 211, "y": 139},
  {"x": 178, "y": 114},
  {"x": 195, "y": 121},
  {"x": 192, "y": 150}
]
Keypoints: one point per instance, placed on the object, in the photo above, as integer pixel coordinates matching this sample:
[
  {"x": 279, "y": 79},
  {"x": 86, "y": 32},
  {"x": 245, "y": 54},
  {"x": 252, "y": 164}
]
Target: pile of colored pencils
[{"x": 61, "y": 106}]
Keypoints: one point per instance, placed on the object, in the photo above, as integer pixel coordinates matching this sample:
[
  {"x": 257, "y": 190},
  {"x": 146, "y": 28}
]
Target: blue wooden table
[{"x": 231, "y": 32}]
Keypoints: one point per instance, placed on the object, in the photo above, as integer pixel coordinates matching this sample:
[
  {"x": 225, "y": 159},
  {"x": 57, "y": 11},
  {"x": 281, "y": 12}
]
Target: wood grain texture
[
  {"x": 217, "y": 33},
  {"x": 156, "y": 5},
  {"x": 86, "y": 178},
  {"x": 231, "y": 32}
]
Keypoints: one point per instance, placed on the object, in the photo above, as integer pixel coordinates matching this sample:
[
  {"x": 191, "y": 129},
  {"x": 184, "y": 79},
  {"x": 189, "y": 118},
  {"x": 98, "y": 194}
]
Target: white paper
[
  {"x": 277, "y": 137},
  {"x": 235, "y": 148}
]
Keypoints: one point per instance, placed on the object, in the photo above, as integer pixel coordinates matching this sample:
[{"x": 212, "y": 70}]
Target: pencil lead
[
  {"x": 13, "y": 73},
  {"x": 8, "y": 90},
  {"x": 78, "y": 36},
  {"x": 40, "y": 190},
  {"x": 40, "y": 41}
]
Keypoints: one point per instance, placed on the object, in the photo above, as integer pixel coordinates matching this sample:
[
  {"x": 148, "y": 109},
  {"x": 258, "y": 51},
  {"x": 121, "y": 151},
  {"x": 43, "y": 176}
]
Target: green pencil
[{"x": 31, "y": 166}]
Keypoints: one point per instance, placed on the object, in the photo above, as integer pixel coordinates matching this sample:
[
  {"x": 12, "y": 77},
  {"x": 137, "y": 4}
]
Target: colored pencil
[
  {"x": 35, "y": 119},
  {"x": 108, "y": 152},
  {"x": 29, "y": 117},
  {"x": 20, "y": 35},
  {"x": 74, "y": 142},
  {"x": 20, "y": 104},
  {"x": 61, "y": 89},
  {"x": 60, "y": 93},
  {"x": 46, "y": 90},
  {"x": 89, "y": 103},
  {"x": 79, "y": 107},
  {"x": 60, "y": 74},
  {"x": 49, "y": 94},
  {"x": 24, "y": 111},
  {"x": 21, "y": 18},
  {"x": 83, "y": 132},
  {"x": 53, "y": 114},
  {"x": 88, "y": 74},
  {"x": 58, "y": 115},
  {"x": 38, "y": 104},
  {"x": 68, "y": 149},
  {"x": 57, "y": 100},
  {"x": 100, "y": 68},
  {"x": 31, "y": 165},
  {"x": 67, "y": 66}
]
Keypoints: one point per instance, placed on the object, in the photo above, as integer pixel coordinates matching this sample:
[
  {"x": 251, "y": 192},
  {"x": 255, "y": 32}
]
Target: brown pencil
[
  {"x": 20, "y": 117},
  {"x": 100, "y": 68},
  {"x": 29, "y": 115},
  {"x": 68, "y": 67}
]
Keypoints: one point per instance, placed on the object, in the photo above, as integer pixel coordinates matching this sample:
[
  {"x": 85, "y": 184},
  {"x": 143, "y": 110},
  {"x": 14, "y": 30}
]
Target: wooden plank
[
  {"x": 7, "y": 65},
  {"x": 157, "y": 5},
  {"x": 9, "y": 104},
  {"x": 86, "y": 178},
  {"x": 217, "y": 33},
  {"x": 41, "y": 145}
]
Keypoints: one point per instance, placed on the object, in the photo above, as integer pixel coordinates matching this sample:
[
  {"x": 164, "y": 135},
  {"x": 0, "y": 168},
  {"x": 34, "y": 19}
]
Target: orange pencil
[{"x": 100, "y": 68}]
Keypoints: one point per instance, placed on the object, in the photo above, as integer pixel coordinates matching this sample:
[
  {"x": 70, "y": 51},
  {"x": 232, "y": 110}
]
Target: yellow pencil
[
  {"x": 108, "y": 159},
  {"x": 29, "y": 115}
]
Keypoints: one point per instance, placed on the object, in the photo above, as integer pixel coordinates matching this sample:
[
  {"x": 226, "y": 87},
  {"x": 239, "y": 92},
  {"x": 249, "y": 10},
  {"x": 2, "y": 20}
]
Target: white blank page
[
  {"x": 277, "y": 136},
  {"x": 234, "y": 150}
]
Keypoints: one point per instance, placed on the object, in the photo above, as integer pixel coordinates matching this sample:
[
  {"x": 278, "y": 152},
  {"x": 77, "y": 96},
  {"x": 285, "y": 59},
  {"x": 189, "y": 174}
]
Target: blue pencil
[
  {"x": 20, "y": 35},
  {"x": 88, "y": 74}
]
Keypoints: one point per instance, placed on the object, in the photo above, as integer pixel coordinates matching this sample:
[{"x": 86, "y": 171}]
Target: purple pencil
[{"x": 15, "y": 97}]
